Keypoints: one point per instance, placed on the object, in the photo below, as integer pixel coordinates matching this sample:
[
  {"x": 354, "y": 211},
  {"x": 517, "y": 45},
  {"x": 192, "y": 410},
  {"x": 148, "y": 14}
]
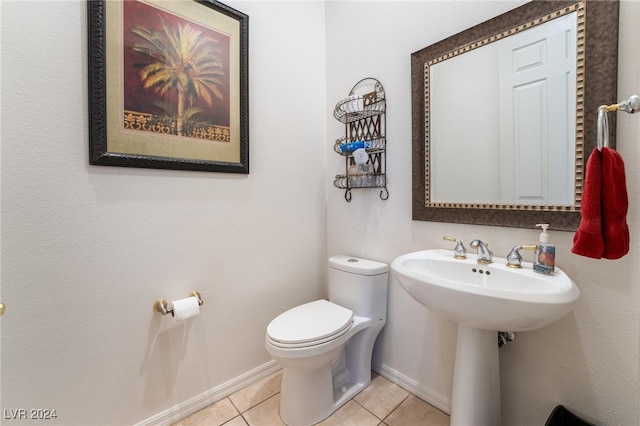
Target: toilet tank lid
[{"x": 357, "y": 266}]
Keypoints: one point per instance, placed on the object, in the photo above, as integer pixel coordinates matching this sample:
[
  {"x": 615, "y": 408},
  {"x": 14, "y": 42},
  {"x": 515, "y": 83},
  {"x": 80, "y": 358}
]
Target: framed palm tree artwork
[{"x": 168, "y": 85}]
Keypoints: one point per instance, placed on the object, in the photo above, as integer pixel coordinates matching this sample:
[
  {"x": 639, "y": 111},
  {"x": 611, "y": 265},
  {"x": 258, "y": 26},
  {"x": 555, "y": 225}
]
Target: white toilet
[{"x": 325, "y": 347}]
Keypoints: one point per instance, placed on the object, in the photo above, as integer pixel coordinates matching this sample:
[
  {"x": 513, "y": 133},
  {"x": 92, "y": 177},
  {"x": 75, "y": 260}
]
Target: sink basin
[
  {"x": 491, "y": 297},
  {"x": 482, "y": 299}
]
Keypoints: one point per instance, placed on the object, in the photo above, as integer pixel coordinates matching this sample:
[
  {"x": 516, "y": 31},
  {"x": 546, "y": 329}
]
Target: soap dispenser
[{"x": 545, "y": 254}]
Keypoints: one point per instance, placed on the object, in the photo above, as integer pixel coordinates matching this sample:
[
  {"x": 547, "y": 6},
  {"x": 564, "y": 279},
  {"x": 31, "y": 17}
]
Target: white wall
[
  {"x": 588, "y": 360},
  {"x": 86, "y": 250}
]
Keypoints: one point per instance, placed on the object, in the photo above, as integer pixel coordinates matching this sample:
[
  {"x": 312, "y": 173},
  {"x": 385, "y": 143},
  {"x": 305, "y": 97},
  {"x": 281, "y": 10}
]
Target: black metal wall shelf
[{"x": 363, "y": 113}]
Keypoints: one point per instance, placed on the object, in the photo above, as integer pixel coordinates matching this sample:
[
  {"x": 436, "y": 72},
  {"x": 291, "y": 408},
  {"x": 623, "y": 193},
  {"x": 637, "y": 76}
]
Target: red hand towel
[
  {"x": 588, "y": 240},
  {"x": 614, "y": 205}
]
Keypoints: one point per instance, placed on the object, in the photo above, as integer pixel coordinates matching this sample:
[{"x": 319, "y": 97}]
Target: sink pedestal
[{"x": 476, "y": 380}]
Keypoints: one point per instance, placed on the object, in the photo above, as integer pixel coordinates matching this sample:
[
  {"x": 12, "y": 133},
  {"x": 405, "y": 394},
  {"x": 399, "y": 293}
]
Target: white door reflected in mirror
[{"x": 503, "y": 120}]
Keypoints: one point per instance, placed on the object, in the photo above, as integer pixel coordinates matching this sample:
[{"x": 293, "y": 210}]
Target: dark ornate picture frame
[{"x": 144, "y": 110}]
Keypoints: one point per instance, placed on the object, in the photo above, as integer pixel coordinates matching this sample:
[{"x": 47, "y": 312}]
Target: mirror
[
  {"x": 517, "y": 157},
  {"x": 519, "y": 103}
]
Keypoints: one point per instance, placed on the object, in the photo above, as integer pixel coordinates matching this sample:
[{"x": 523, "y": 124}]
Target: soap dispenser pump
[{"x": 545, "y": 254}]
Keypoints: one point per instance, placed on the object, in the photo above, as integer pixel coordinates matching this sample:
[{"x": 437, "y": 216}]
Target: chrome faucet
[{"x": 484, "y": 254}]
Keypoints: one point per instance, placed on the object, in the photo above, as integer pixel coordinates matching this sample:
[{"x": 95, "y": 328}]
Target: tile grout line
[
  {"x": 239, "y": 413},
  {"x": 255, "y": 405},
  {"x": 234, "y": 405},
  {"x": 234, "y": 417},
  {"x": 367, "y": 410},
  {"x": 396, "y": 407},
  {"x": 390, "y": 412}
]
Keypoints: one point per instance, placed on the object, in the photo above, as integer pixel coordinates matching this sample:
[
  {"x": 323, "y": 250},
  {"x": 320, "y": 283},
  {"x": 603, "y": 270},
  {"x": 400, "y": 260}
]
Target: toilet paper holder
[{"x": 164, "y": 307}]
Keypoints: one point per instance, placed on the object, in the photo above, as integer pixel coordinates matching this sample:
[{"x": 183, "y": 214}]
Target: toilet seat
[{"x": 310, "y": 324}]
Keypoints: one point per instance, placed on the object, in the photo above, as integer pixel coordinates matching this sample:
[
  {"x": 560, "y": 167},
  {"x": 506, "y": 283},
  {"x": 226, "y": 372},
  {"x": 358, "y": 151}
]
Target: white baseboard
[
  {"x": 434, "y": 398},
  {"x": 197, "y": 403}
]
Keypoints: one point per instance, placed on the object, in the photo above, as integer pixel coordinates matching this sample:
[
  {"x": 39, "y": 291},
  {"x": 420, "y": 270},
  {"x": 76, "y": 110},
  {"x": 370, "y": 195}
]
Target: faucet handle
[
  {"x": 459, "y": 252},
  {"x": 514, "y": 259}
]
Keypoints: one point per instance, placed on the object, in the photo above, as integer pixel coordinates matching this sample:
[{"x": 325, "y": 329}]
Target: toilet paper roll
[{"x": 185, "y": 308}]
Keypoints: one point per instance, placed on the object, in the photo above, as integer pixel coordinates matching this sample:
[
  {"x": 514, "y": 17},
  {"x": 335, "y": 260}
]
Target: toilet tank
[{"x": 359, "y": 285}]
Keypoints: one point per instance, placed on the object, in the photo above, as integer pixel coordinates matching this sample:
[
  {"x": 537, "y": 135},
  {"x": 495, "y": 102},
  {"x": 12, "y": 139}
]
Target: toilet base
[
  {"x": 308, "y": 397},
  {"x": 314, "y": 388}
]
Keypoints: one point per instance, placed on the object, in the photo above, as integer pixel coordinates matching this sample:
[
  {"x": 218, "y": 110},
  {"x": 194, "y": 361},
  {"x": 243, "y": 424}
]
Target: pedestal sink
[{"x": 482, "y": 299}]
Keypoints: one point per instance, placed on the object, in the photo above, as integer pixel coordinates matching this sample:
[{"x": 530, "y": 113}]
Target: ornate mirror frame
[{"x": 597, "y": 84}]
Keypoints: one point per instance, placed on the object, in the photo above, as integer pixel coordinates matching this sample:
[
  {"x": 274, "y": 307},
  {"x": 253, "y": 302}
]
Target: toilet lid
[{"x": 313, "y": 322}]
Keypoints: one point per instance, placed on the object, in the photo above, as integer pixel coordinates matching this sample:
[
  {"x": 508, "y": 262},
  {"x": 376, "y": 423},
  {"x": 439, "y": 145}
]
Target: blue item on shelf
[{"x": 352, "y": 146}]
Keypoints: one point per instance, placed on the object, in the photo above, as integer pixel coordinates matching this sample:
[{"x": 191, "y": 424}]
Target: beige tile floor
[{"x": 382, "y": 403}]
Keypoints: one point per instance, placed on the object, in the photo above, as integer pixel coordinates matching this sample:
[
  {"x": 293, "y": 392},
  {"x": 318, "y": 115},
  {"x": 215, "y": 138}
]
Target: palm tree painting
[{"x": 176, "y": 75}]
